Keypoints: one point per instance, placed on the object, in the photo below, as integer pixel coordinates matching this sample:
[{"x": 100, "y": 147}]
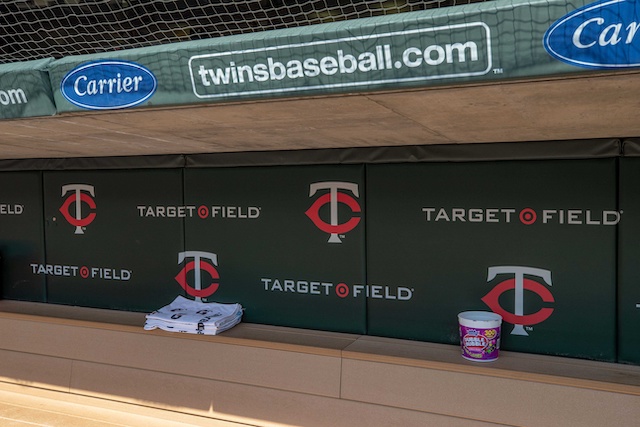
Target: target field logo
[
  {"x": 528, "y": 216},
  {"x": 342, "y": 290}
]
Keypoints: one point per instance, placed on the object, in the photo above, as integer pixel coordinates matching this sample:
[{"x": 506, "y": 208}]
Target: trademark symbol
[
  {"x": 528, "y": 328},
  {"x": 342, "y": 236},
  {"x": 498, "y": 71}
]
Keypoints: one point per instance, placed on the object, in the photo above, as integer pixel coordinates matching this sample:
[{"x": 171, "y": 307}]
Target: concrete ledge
[
  {"x": 611, "y": 377},
  {"x": 265, "y": 375}
]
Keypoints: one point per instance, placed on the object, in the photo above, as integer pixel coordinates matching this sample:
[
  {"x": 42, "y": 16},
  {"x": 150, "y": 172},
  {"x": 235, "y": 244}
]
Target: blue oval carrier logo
[
  {"x": 108, "y": 85},
  {"x": 605, "y": 34}
]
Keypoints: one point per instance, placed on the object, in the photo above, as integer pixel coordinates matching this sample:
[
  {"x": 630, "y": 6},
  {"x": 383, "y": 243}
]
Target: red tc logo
[
  {"x": 519, "y": 283},
  {"x": 198, "y": 265},
  {"x": 332, "y": 198},
  {"x": 82, "y": 193}
]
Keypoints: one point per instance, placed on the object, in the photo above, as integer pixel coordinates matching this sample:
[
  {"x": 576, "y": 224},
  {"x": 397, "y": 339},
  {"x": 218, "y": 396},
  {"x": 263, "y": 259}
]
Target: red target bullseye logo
[
  {"x": 84, "y": 272},
  {"x": 528, "y": 216},
  {"x": 203, "y": 212},
  {"x": 342, "y": 290}
]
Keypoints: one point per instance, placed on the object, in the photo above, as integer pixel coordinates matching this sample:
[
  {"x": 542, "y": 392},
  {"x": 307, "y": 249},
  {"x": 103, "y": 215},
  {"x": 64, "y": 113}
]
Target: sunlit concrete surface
[
  {"x": 78, "y": 366},
  {"x": 25, "y": 406}
]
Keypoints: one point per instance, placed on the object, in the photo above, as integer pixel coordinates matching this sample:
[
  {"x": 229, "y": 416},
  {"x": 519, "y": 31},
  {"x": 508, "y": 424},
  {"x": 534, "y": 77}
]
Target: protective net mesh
[{"x": 33, "y": 29}]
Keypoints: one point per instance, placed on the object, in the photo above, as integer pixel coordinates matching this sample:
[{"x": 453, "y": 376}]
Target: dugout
[{"x": 517, "y": 160}]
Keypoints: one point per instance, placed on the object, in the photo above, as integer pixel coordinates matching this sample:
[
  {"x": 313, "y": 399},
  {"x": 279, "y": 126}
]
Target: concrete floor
[{"x": 26, "y": 406}]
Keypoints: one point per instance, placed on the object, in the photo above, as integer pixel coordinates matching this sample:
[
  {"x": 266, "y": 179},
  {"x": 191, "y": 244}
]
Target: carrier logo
[
  {"x": 202, "y": 261},
  {"x": 108, "y": 85},
  {"x": 81, "y": 193},
  {"x": 519, "y": 283},
  {"x": 600, "y": 35},
  {"x": 333, "y": 198}
]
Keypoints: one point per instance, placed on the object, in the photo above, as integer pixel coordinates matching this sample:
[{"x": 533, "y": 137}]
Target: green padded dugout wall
[
  {"x": 534, "y": 241},
  {"x": 280, "y": 249},
  {"x": 629, "y": 255},
  {"x": 390, "y": 241},
  {"x": 21, "y": 235},
  {"x": 106, "y": 231}
]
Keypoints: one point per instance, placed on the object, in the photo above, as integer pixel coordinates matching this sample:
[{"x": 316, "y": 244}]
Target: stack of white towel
[{"x": 194, "y": 317}]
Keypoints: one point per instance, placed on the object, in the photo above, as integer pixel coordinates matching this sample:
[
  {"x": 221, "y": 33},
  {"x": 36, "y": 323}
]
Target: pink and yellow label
[{"x": 480, "y": 344}]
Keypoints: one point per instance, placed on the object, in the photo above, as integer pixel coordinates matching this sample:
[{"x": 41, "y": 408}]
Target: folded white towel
[{"x": 196, "y": 317}]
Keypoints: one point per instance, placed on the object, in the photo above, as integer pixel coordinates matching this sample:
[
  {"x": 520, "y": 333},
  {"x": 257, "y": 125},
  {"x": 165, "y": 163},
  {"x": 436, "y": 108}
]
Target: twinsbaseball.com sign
[{"x": 449, "y": 51}]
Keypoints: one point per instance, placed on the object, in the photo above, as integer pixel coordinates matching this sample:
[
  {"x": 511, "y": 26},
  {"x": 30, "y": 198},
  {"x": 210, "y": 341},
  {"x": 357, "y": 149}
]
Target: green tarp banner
[
  {"x": 100, "y": 251},
  {"x": 21, "y": 235},
  {"x": 482, "y": 42},
  {"x": 25, "y": 90},
  {"x": 533, "y": 241},
  {"x": 396, "y": 249},
  {"x": 629, "y": 253},
  {"x": 288, "y": 241}
]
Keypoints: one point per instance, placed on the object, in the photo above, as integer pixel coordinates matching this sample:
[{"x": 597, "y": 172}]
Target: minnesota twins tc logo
[
  {"x": 519, "y": 283},
  {"x": 198, "y": 265},
  {"x": 81, "y": 193},
  {"x": 333, "y": 198}
]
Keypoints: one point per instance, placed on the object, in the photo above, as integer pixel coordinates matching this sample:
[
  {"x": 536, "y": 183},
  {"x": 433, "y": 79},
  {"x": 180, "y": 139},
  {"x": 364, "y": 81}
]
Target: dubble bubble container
[{"x": 480, "y": 335}]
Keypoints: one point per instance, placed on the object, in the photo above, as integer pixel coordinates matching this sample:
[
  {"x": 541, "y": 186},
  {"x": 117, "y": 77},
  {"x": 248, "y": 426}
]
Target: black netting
[{"x": 34, "y": 29}]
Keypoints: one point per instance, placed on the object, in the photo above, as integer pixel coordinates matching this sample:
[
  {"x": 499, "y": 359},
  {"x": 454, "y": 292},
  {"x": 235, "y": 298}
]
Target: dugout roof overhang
[
  {"x": 598, "y": 106},
  {"x": 513, "y": 83}
]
